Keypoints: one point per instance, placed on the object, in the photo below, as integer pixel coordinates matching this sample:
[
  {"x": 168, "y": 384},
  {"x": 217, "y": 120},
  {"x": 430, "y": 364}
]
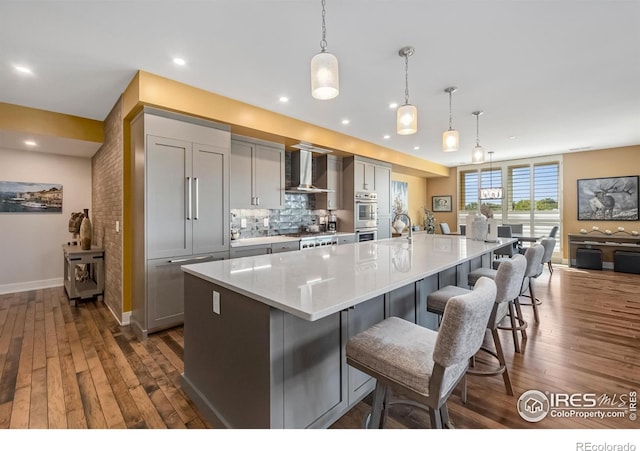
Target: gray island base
[{"x": 265, "y": 336}]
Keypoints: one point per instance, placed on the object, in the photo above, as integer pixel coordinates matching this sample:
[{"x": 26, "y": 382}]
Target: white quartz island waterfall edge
[
  {"x": 265, "y": 336},
  {"x": 316, "y": 283}
]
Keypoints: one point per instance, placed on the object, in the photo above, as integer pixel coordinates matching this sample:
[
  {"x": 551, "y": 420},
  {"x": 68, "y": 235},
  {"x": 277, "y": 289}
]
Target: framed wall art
[
  {"x": 30, "y": 197},
  {"x": 608, "y": 199},
  {"x": 441, "y": 203}
]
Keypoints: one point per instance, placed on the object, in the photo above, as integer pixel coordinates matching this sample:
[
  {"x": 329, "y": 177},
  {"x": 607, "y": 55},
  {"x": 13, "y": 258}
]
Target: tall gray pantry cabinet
[{"x": 183, "y": 186}]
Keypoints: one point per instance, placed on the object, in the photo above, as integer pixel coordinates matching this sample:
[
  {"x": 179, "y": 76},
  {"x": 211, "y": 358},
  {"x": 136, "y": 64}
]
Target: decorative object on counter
[
  {"x": 597, "y": 230},
  {"x": 235, "y": 234},
  {"x": 325, "y": 83},
  {"x": 479, "y": 229},
  {"x": 477, "y": 156},
  {"x": 399, "y": 225},
  {"x": 85, "y": 231},
  {"x": 407, "y": 114},
  {"x": 429, "y": 221},
  {"x": 396, "y": 220},
  {"x": 441, "y": 203},
  {"x": 471, "y": 216},
  {"x": 74, "y": 227},
  {"x": 486, "y": 211},
  {"x": 450, "y": 138},
  {"x": 608, "y": 199},
  {"x": 492, "y": 230}
]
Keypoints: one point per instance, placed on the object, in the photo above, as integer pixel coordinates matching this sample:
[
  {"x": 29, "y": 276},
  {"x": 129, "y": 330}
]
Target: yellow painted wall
[
  {"x": 620, "y": 161},
  {"x": 444, "y": 186},
  {"x": 417, "y": 192}
]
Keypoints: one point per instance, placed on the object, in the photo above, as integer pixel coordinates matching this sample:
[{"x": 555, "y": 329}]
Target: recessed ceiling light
[
  {"x": 179, "y": 61},
  {"x": 30, "y": 143},
  {"x": 512, "y": 137},
  {"x": 416, "y": 147},
  {"x": 345, "y": 121},
  {"x": 387, "y": 136},
  {"x": 393, "y": 105},
  {"x": 23, "y": 69},
  {"x": 284, "y": 99}
]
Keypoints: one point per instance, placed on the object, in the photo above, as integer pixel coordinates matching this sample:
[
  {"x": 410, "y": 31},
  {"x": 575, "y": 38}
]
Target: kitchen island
[{"x": 265, "y": 336}]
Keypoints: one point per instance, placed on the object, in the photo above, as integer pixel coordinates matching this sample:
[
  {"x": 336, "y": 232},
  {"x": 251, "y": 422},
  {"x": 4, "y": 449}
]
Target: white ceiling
[{"x": 554, "y": 75}]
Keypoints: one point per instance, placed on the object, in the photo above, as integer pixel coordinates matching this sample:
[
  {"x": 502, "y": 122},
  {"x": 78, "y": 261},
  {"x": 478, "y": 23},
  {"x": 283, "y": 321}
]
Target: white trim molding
[{"x": 33, "y": 285}]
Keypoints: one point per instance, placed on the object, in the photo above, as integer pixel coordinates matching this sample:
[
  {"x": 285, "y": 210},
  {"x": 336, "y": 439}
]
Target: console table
[
  {"x": 608, "y": 244},
  {"x": 83, "y": 272}
]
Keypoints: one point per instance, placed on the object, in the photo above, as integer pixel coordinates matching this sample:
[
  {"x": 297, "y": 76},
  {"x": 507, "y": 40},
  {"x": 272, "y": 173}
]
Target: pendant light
[
  {"x": 491, "y": 192},
  {"x": 324, "y": 69},
  {"x": 477, "y": 155},
  {"x": 407, "y": 115},
  {"x": 450, "y": 138}
]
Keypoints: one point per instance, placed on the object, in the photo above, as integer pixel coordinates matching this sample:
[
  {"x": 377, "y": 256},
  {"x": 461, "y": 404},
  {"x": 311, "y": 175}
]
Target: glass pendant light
[
  {"x": 324, "y": 69},
  {"x": 478, "y": 151},
  {"x": 407, "y": 115},
  {"x": 450, "y": 138}
]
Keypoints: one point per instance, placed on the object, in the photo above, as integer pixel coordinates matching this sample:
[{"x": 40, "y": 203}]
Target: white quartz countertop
[
  {"x": 276, "y": 239},
  {"x": 316, "y": 283}
]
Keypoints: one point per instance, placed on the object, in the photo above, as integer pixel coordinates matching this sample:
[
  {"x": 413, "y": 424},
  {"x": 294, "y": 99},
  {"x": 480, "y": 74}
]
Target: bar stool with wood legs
[
  {"x": 508, "y": 280},
  {"x": 533, "y": 255},
  {"x": 419, "y": 363}
]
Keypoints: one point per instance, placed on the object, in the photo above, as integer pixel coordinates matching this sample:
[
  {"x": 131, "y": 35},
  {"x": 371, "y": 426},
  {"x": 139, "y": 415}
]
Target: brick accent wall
[{"x": 107, "y": 201}]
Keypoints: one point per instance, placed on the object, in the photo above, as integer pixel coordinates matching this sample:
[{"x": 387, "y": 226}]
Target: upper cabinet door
[
  {"x": 383, "y": 189},
  {"x": 168, "y": 193},
  {"x": 269, "y": 177},
  {"x": 210, "y": 227},
  {"x": 241, "y": 193}
]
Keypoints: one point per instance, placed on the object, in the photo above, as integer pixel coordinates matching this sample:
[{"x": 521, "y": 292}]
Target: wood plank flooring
[{"x": 75, "y": 367}]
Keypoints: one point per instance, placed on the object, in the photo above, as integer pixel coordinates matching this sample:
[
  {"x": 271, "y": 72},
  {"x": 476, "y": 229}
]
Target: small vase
[
  {"x": 85, "y": 231},
  {"x": 399, "y": 226}
]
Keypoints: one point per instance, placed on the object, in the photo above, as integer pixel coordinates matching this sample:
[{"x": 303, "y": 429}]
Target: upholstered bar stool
[
  {"x": 549, "y": 245},
  {"x": 419, "y": 363},
  {"x": 508, "y": 280},
  {"x": 533, "y": 255}
]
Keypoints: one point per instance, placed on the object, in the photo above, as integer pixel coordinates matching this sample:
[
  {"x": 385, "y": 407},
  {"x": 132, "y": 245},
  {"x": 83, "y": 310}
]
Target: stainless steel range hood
[{"x": 302, "y": 170}]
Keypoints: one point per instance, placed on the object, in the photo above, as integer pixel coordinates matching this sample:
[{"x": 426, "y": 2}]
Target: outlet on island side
[{"x": 216, "y": 303}]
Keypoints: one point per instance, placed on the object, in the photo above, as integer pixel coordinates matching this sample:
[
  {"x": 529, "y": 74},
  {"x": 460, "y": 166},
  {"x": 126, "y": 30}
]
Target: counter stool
[
  {"x": 508, "y": 280},
  {"x": 534, "y": 256},
  {"x": 419, "y": 363}
]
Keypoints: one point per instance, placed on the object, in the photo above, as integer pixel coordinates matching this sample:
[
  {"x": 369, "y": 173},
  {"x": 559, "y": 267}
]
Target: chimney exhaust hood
[{"x": 302, "y": 170}]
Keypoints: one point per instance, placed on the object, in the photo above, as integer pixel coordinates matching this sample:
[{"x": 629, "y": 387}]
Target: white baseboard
[
  {"x": 33, "y": 285},
  {"x": 126, "y": 316}
]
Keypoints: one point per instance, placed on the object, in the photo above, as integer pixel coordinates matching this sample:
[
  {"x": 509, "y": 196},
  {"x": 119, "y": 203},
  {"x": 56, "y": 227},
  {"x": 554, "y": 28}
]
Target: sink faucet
[{"x": 399, "y": 215}]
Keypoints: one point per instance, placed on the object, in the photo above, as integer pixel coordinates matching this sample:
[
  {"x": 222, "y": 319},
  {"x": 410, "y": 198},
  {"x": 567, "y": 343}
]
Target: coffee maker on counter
[{"x": 332, "y": 222}]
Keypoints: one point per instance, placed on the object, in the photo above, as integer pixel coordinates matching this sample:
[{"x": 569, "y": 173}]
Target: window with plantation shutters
[{"x": 531, "y": 194}]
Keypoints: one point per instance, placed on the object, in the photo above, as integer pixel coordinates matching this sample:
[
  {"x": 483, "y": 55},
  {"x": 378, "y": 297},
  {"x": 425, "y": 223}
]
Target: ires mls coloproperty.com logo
[{"x": 534, "y": 405}]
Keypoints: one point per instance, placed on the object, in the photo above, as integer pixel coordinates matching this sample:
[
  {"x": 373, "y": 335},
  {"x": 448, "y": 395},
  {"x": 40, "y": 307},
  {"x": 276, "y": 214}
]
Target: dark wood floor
[{"x": 75, "y": 367}]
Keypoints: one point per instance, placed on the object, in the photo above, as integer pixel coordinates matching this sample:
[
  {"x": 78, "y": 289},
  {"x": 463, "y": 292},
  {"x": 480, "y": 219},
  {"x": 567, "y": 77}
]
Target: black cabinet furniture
[
  {"x": 626, "y": 261},
  {"x": 588, "y": 258}
]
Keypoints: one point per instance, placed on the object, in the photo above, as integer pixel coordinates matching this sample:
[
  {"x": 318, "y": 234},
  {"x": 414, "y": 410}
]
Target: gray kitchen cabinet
[
  {"x": 185, "y": 198},
  {"x": 165, "y": 280},
  {"x": 250, "y": 251},
  {"x": 285, "y": 247},
  {"x": 258, "y": 174},
  {"x": 359, "y": 318},
  {"x": 364, "y": 176},
  {"x": 346, "y": 239},
  {"x": 180, "y": 210},
  {"x": 382, "y": 187},
  {"x": 384, "y": 227},
  {"x": 328, "y": 176}
]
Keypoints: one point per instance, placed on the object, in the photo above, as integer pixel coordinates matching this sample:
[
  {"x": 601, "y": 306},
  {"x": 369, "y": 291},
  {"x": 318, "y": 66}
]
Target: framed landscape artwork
[
  {"x": 441, "y": 203},
  {"x": 30, "y": 197},
  {"x": 608, "y": 199}
]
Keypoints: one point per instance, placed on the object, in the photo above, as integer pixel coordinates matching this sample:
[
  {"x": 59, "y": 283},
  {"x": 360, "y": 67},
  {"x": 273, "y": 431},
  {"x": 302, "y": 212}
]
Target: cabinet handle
[
  {"x": 180, "y": 260},
  {"x": 257, "y": 201},
  {"x": 329, "y": 203},
  {"x": 188, "y": 198},
  {"x": 197, "y": 198}
]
